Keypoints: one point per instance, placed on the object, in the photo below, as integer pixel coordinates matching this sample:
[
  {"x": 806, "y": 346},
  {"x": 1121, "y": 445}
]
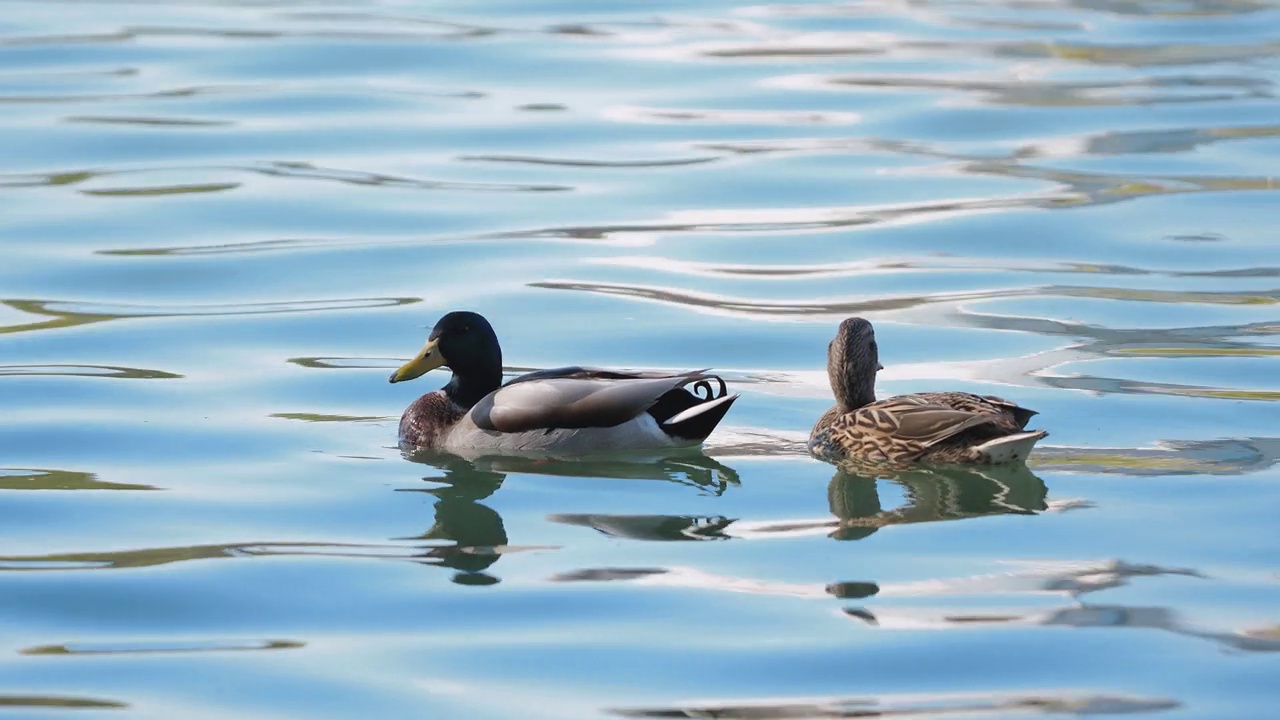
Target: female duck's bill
[
  {"x": 571, "y": 409},
  {"x": 954, "y": 427}
]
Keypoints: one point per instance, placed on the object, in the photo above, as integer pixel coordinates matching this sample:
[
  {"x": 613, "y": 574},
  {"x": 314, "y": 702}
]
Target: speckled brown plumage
[
  {"x": 428, "y": 418},
  {"x": 1007, "y": 415},
  {"x": 937, "y": 427},
  {"x": 949, "y": 427}
]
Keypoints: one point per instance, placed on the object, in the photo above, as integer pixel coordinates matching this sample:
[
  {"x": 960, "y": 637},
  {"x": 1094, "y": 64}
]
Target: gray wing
[
  {"x": 581, "y": 372},
  {"x": 576, "y": 397}
]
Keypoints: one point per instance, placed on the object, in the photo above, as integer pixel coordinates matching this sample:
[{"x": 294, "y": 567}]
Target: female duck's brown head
[{"x": 853, "y": 359}]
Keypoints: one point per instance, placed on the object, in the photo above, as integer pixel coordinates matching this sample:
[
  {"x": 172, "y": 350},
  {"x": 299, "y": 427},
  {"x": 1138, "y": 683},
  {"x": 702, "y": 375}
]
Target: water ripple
[
  {"x": 151, "y": 557},
  {"x": 729, "y": 117},
  {"x": 322, "y": 417},
  {"x": 903, "y": 264},
  {"x": 564, "y": 162},
  {"x": 946, "y": 309},
  {"x": 1074, "y": 189},
  {"x": 103, "y": 371},
  {"x": 289, "y": 170},
  {"x": 60, "y": 701},
  {"x": 147, "y": 121},
  {"x": 1070, "y": 580},
  {"x": 346, "y": 363},
  {"x": 48, "y": 479},
  {"x": 144, "y": 33},
  {"x": 808, "y": 45},
  {"x": 64, "y": 314},
  {"x": 237, "y": 248},
  {"x": 786, "y": 220},
  {"x": 1229, "y": 456},
  {"x": 1049, "y": 702},
  {"x": 186, "y": 91},
  {"x": 165, "y": 646},
  {"x": 1158, "y": 9},
  {"x": 1110, "y": 143},
  {"x": 841, "y": 307},
  {"x": 1043, "y": 93}
]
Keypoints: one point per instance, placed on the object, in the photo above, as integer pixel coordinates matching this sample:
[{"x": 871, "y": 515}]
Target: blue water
[{"x": 222, "y": 223}]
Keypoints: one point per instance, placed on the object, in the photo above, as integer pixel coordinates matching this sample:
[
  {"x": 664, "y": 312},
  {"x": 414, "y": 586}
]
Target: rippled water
[{"x": 222, "y": 222}]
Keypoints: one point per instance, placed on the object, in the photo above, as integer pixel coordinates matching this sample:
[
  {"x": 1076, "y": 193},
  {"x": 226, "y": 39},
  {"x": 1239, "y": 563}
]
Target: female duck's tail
[{"x": 1010, "y": 448}]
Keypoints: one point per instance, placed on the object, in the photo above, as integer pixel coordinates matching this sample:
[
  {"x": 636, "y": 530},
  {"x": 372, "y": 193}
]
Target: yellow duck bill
[{"x": 428, "y": 359}]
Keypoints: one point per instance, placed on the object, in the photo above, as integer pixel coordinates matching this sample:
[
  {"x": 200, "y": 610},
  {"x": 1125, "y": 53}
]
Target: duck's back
[
  {"x": 1008, "y": 415},
  {"x": 938, "y": 427}
]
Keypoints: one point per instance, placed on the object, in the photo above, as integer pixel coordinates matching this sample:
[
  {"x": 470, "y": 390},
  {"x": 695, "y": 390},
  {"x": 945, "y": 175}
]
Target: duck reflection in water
[
  {"x": 476, "y": 532},
  {"x": 933, "y": 495},
  {"x": 681, "y": 466}
]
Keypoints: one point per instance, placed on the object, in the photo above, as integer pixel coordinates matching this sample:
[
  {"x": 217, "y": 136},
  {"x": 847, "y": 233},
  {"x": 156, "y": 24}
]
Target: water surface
[{"x": 223, "y": 222}]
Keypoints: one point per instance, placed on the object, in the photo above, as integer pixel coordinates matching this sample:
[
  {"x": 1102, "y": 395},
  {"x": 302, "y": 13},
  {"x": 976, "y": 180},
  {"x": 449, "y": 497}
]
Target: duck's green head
[
  {"x": 853, "y": 359},
  {"x": 462, "y": 341}
]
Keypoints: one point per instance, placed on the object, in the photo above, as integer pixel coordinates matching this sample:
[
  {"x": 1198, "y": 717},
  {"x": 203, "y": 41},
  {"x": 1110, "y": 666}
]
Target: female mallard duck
[
  {"x": 949, "y": 427},
  {"x": 572, "y": 409}
]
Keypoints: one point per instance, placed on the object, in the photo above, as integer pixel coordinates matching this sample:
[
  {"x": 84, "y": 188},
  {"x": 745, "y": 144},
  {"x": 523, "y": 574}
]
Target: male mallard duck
[
  {"x": 949, "y": 427},
  {"x": 572, "y": 409}
]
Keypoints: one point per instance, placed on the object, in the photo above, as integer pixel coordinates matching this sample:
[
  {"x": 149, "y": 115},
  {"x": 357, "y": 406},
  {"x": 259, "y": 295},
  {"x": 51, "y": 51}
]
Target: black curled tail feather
[
  {"x": 672, "y": 409},
  {"x": 704, "y": 386},
  {"x": 705, "y": 417}
]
